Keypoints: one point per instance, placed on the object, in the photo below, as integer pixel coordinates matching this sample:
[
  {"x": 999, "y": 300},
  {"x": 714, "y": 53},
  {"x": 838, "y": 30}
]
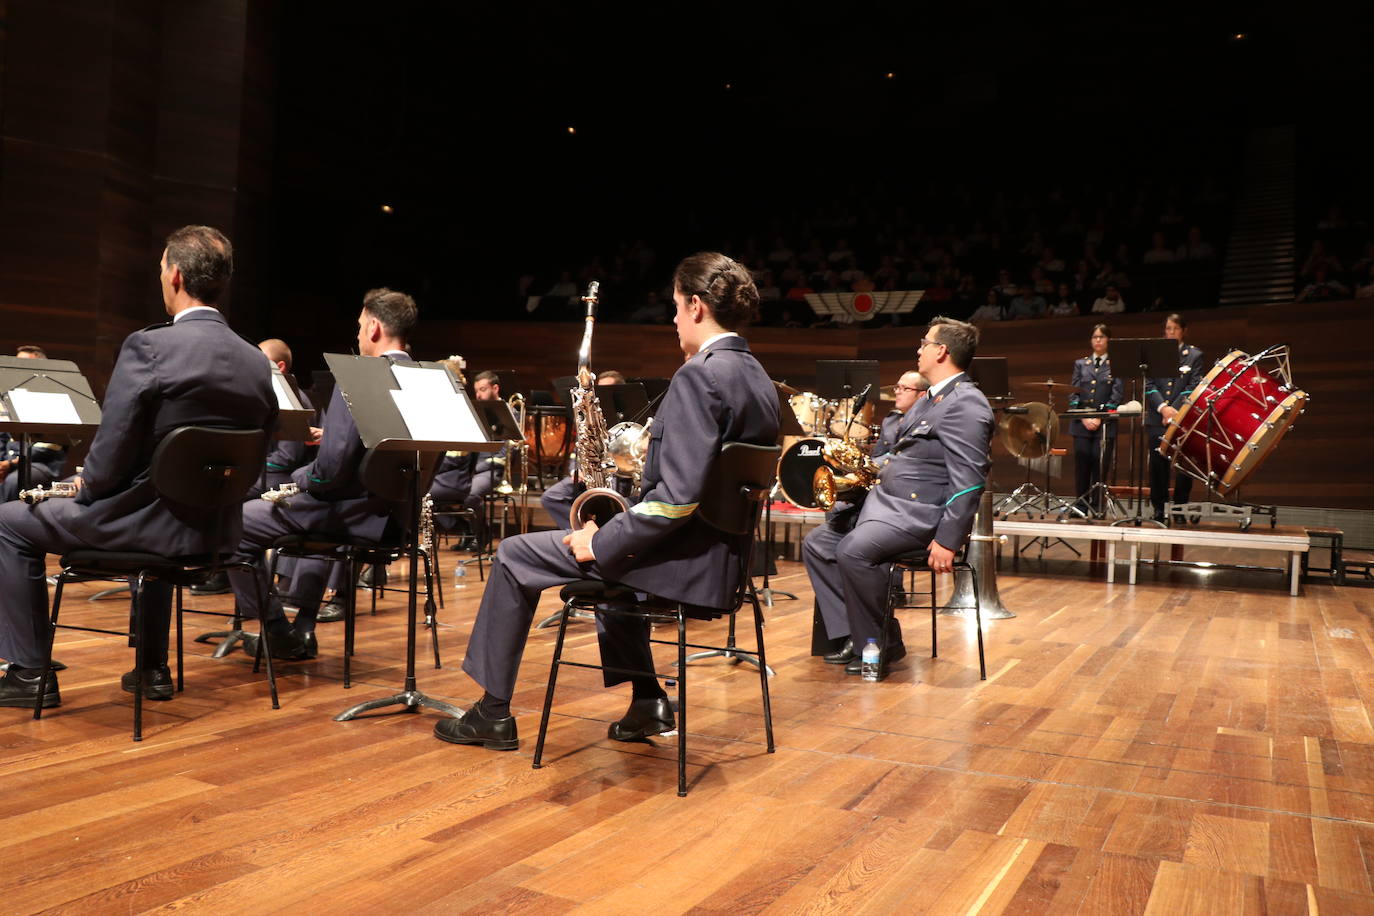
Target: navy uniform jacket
[
  {"x": 1099, "y": 389},
  {"x": 285, "y": 455},
  {"x": 660, "y": 546},
  {"x": 931, "y": 478},
  {"x": 195, "y": 371},
  {"x": 887, "y": 435},
  {"x": 1173, "y": 390},
  {"x": 332, "y": 497}
]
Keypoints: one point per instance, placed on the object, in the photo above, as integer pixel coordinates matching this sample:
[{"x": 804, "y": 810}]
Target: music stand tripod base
[
  {"x": 409, "y": 700},
  {"x": 735, "y": 655},
  {"x": 228, "y": 641}
]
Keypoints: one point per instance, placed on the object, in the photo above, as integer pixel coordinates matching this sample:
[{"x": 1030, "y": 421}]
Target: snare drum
[
  {"x": 858, "y": 429},
  {"x": 1233, "y": 420},
  {"x": 797, "y": 466}
]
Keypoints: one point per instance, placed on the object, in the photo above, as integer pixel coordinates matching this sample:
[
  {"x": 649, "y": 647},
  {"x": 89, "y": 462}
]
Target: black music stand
[
  {"x": 432, "y": 415},
  {"x": 293, "y": 425},
  {"x": 1155, "y": 357},
  {"x": 654, "y": 386},
  {"x": 45, "y": 396},
  {"x": 627, "y": 403},
  {"x": 990, "y": 374}
]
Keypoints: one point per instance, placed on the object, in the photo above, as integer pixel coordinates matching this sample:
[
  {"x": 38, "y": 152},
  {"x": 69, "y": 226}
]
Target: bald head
[{"x": 278, "y": 352}]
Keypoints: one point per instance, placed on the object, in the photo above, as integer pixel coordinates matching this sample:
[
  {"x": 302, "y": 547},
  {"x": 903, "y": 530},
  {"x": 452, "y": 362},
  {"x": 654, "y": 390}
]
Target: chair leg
[
  {"x": 181, "y": 672},
  {"x": 763, "y": 667},
  {"x": 978, "y": 620},
  {"x": 264, "y": 639},
  {"x": 934, "y": 616},
  {"x": 682, "y": 702},
  {"x": 47, "y": 659},
  {"x": 137, "y": 633},
  {"x": 553, "y": 680},
  {"x": 350, "y": 617}
]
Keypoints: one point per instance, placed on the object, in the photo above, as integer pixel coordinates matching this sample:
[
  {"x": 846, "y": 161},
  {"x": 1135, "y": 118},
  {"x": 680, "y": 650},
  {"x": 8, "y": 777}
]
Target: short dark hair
[
  {"x": 1106, "y": 331},
  {"x": 395, "y": 311},
  {"x": 611, "y": 375},
  {"x": 1177, "y": 319},
  {"x": 488, "y": 375},
  {"x": 722, "y": 283},
  {"x": 959, "y": 337},
  {"x": 205, "y": 257},
  {"x": 31, "y": 349}
]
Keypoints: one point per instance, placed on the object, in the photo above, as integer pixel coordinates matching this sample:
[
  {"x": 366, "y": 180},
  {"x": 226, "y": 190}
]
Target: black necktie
[{"x": 1097, "y": 362}]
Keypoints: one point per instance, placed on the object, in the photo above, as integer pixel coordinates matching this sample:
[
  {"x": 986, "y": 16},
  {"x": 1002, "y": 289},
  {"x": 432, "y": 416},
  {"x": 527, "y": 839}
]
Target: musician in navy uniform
[
  {"x": 1163, "y": 397},
  {"x": 925, "y": 497},
  {"x": 469, "y": 477},
  {"x": 1093, "y": 387},
  {"x": 720, "y": 394},
  {"x": 558, "y": 499},
  {"x": 191, "y": 371},
  {"x": 332, "y": 499},
  {"x": 46, "y": 459}
]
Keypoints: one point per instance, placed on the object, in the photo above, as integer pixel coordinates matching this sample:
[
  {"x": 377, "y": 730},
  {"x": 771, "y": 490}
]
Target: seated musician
[
  {"x": 721, "y": 394},
  {"x": 1093, "y": 386},
  {"x": 193, "y": 370},
  {"x": 469, "y": 477},
  {"x": 925, "y": 497},
  {"x": 46, "y": 459},
  {"x": 332, "y": 499},
  {"x": 558, "y": 499}
]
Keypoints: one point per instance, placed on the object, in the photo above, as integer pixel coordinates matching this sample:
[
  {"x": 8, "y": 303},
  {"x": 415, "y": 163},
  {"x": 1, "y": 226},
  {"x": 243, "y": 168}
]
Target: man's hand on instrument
[
  {"x": 78, "y": 483},
  {"x": 581, "y": 543},
  {"x": 941, "y": 558},
  {"x": 1168, "y": 412},
  {"x": 316, "y": 434}
]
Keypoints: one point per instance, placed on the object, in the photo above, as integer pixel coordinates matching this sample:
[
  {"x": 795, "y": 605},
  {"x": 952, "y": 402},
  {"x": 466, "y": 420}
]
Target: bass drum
[
  {"x": 1233, "y": 420},
  {"x": 797, "y": 467}
]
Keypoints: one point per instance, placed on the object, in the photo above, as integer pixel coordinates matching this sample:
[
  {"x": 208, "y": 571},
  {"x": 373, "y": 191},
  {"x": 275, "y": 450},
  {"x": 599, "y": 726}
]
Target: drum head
[{"x": 797, "y": 467}]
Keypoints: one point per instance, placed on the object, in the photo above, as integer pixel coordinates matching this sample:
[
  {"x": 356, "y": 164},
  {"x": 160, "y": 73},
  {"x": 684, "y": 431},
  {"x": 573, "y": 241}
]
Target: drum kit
[{"x": 821, "y": 419}]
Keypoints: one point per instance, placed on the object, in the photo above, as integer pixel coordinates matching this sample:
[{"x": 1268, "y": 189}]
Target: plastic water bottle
[
  {"x": 460, "y": 574},
  {"x": 869, "y": 662}
]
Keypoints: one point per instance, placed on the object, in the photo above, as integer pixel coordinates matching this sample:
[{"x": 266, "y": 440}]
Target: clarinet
[
  {"x": 61, "y": 489},
  {"x": 281, "y": 494}
]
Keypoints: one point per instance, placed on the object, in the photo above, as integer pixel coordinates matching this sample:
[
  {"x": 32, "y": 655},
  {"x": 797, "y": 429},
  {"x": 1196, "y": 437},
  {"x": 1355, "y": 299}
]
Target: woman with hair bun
[{"x": 720, "y": 394}]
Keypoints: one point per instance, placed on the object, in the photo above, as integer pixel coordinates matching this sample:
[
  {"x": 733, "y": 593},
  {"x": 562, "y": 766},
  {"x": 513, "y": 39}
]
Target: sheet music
[
  {"x": 43, "y": 406},
  {"x": 284, "y": 393},
  {"x": 432, "y": 409}
]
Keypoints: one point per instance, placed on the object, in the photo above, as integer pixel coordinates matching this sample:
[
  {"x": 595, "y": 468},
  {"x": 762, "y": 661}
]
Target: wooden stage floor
[{"x": 1200, "y": 742}]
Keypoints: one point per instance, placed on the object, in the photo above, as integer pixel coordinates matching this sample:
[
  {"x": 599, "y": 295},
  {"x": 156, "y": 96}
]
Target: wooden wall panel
[{"x": 1323, "y": 461}]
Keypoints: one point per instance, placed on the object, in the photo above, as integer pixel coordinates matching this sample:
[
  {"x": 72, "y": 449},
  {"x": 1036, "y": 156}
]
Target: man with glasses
[{"x": 925, "y": 496}]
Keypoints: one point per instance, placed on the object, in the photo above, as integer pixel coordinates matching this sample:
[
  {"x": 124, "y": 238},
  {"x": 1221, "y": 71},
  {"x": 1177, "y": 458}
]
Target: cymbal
[
  {"x": 1030, "y": 434},
  {"x": 1052, "y": 384},
  {"x": 786, "y": 388}
]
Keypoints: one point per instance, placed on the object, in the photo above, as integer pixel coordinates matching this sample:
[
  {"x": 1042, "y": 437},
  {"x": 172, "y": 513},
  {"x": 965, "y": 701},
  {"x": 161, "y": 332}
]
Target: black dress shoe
[
  {"x": 645, "y": 717},
  {"x": 157, "y": 682},
  {"x": 19, "y": 687},
  {"x": 331, "y": 612},
  {"x": 218, "y": 584},
  {"x": 842, "y": 655},
  {"x": 290, "y": 646},
  {"x": 475, "y": 728},
  {"x": 895, "y": 652}
]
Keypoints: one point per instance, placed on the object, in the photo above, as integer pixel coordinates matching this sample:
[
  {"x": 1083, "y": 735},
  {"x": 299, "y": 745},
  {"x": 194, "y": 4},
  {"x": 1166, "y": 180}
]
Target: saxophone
[{"x": 595, "y": 463}]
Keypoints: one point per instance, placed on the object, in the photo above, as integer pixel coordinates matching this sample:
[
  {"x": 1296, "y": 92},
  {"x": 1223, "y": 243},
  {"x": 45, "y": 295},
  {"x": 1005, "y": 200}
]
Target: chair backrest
[
  {"x": 386, "y": 473},
  {"x": 208, "y": 468},
  {"x": 739, "y": 480}
]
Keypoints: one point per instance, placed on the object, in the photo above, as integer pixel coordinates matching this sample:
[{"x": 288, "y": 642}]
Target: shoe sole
[
  {"x": 642, "y": 733},
  {"x": 153, "y": 693},
  {"x": 491, "y": 744},
  {"x": 51, "y": 701},
  {"x": 837, "y": 661}
]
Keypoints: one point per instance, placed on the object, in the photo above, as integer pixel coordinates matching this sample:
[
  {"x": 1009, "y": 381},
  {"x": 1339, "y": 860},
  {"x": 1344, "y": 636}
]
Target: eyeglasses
[
  {"x": 905, "y": 388},
  {"x": 927, "y": 342}
]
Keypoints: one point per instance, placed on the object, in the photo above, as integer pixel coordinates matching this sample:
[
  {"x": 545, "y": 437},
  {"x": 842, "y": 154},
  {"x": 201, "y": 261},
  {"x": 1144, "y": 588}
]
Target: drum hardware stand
[
  {"x": 1100, "y": 492},
  {"x": 767, "y": 592},
  {"x": 1146, "y": 351},
  {"x": 1029, "y": 496}
]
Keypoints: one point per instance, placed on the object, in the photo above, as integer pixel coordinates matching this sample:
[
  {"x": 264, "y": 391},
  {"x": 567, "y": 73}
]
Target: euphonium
[
  {"x": 856, "y": 470},
  {"x": 595, "y": 463}
]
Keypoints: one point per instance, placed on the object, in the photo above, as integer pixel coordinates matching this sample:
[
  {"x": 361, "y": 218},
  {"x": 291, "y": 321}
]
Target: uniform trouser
[
  {"x": 27, "y": 535},
  {"x": 1089, "y": 463},
  {"x": 557, "y": 500},
  {"x": 1159, "y": 478},
  {"x": 849, "y": 572},
  {"x": 263, "y": 523},
  {"x": 526, "y": 565}
]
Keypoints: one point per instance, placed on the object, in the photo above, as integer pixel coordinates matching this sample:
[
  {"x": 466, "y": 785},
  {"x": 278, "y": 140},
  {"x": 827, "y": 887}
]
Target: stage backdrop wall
[{"x": 1324, "y": 461}]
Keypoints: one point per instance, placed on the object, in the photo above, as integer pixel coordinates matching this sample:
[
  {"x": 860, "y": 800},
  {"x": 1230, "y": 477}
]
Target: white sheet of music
[
  {"x": 432, "y": 410},
  {"x": 43, "y": 406},
  {"x": 284, "y": 399}
]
